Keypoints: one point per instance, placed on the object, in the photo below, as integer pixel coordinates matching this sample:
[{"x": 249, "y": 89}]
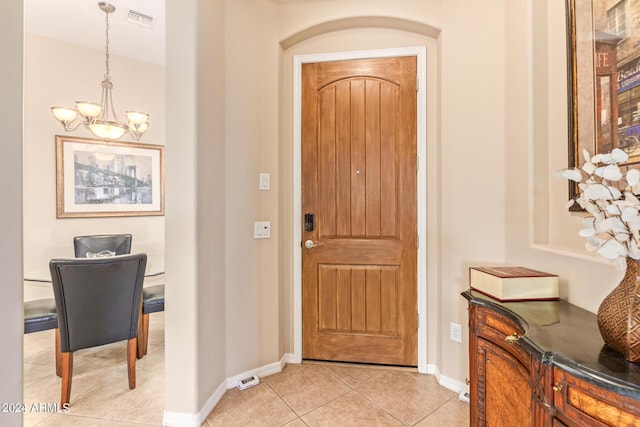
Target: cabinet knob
[
  {"x": 557, "y": 387},
  {"x": 513, "y": 338}
]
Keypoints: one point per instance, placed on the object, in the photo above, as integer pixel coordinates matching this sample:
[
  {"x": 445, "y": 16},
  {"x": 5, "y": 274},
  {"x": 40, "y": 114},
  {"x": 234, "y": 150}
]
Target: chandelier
[{"x": 101, "y": 118}]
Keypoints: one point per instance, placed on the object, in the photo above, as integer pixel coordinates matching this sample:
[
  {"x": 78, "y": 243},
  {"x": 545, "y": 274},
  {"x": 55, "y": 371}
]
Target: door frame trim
[{"x": 420, "y": 52}]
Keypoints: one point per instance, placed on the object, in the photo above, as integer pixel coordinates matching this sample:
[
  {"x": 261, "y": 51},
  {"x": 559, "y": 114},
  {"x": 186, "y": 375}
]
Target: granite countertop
[{"x": 567, "y": 336}]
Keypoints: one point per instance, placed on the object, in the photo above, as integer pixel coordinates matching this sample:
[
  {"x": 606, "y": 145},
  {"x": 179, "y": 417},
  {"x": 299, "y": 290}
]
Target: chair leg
[
  {"x": 143, "y": 335},
  {"x": 140, "y": 349},
  {"x": 58, "y": 354},
  {"x": 67, "y": 373},
  {"x": 132, "y": 350},
  {"x": 145, "y": 322}
]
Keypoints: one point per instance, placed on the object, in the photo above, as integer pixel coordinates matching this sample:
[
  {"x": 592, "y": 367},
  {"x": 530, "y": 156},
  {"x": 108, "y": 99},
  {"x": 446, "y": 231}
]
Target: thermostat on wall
[{"x": 248, "y": 382}]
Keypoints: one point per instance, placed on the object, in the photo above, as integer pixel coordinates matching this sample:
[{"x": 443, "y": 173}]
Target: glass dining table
[
  {"x": 37, "y": 280},
  {"x": 155, "y": 269}
]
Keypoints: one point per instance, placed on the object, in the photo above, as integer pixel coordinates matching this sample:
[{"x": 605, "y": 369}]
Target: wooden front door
[{"x": 359, "y": 284}]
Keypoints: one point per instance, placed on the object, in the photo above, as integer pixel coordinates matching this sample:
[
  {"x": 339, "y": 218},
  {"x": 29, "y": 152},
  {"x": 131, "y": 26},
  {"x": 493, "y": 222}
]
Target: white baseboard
[
  {"x": 446, "y": 382},
  {"x": 181, "y": 419},
  {"x": 262, "y": 371},
  {"x": 292, "y": 358}
]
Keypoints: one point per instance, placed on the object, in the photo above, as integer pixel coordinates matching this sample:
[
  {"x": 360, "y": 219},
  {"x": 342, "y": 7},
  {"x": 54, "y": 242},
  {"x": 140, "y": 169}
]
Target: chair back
[
  {"x": 88, "y": 246},
  {"x": 98, "y": 299}
]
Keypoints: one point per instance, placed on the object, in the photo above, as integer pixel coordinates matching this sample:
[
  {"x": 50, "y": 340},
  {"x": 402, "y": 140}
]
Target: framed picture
[
  {"x": 603, "y": 45},
  {"x": 103, "y": 179}
]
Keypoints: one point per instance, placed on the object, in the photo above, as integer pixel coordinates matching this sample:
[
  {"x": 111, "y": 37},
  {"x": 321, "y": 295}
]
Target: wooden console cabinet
[{"x": 543, "y": 363}]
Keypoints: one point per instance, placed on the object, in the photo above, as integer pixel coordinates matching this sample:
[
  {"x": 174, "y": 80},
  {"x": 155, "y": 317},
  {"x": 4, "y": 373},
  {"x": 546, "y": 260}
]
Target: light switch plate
[
  {"x": 265, "y": 182},
  {"x": 262, "y": 230}
]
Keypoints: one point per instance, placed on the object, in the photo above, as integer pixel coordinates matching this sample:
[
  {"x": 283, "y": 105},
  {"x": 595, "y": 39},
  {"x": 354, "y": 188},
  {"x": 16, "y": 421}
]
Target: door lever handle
[{"x": 310, "y": 245}]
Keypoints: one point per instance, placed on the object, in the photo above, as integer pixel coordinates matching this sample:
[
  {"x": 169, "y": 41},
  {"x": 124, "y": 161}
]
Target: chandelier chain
[{"x": 106, "y": 45}]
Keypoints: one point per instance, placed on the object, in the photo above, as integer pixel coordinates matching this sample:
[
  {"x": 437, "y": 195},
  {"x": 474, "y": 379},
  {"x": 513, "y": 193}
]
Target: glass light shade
[
  {"x": 140, "y": 128},
  {"x": 137, "y": 117},
  {"x": 89, "y": 109},
  {"x": 107, "y": 130},
  {"x": 64, "y": 115}
]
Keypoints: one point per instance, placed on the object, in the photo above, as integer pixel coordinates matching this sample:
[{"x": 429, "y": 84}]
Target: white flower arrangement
[{"x": 609, "y": 197}]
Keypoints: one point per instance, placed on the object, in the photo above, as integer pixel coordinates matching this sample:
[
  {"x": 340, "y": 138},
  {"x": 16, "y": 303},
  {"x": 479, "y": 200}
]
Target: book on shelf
[{"x": 514, "y": 283}]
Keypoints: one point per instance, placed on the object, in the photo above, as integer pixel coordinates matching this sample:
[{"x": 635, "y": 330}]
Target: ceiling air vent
[{"x": 140, "y": 19}]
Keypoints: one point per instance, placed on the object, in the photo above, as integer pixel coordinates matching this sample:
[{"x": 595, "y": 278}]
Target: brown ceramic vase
[{"x": 619, "y": 315}]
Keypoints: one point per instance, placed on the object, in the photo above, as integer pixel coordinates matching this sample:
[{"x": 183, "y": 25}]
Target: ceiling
[{"x": 82, "y": 22}]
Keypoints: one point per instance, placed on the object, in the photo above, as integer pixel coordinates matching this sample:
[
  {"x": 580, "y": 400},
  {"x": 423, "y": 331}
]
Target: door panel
[
  {"x": 359, "y": 299},
  {"x": 359, "y": 180},
  {"x": 357, "y": 170}
]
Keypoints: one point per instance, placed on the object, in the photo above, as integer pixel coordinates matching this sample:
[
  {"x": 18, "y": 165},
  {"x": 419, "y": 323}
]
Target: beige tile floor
[
  {"x": 100, "y": 394},
  {"x": 309, "y": 394},
  {"x": 322, "y": 394}
]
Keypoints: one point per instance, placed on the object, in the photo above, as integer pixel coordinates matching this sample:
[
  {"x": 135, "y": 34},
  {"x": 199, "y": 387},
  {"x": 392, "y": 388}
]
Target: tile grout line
[
  {"x": 435, "y": 409},
  {"x": 284, "y": 401},
  {"x": 411, "y": 377},
  {"x": 321, "y": 406},
  {"x": 355, "y": 389},
  {"x": 378, "y": 406}
]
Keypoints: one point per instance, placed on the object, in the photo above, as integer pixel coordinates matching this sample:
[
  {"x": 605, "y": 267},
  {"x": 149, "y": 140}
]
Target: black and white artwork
[{"x": 97, "y": 179}]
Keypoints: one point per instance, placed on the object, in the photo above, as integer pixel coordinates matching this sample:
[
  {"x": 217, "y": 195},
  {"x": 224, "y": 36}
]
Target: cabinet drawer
[
  {"x": 586, "y": 404},
  {"x": 493, "y": 323},
  {"x": 501, "y": 330}
]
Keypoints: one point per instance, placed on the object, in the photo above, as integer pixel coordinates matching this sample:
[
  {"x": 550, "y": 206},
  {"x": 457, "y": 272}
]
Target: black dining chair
[
  {"x": 120, "y": 244},
  {"x": 102, "y": 244},
  {"x": 152, "y": 302},
  {"x": 40, "y": 315},
  {"x": 98, "y": 302}
]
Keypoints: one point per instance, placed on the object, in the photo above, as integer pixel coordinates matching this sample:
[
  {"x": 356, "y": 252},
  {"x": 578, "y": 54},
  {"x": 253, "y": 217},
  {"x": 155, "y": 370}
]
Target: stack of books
[{"x": 514, "y": 283}]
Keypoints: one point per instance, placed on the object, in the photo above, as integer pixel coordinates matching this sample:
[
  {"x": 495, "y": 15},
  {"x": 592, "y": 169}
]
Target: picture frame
[
  {"x": 603, "y": 62},
  {"x": 108, "y": 179}
]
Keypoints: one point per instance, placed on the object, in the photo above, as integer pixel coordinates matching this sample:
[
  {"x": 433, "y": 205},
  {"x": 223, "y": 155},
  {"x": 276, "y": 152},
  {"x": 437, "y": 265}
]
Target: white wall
[
  {"x": 181, "y": 325},
  {"x": 195, "y": 316},
  {"x": 252, "y": 145},
  {"x": 472, "y": 161},
  {"x": 212, "y": 184},
  {"x": 11, "y": 70}
]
